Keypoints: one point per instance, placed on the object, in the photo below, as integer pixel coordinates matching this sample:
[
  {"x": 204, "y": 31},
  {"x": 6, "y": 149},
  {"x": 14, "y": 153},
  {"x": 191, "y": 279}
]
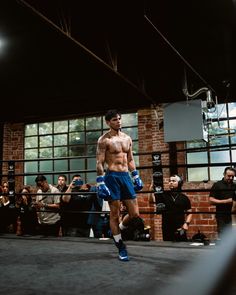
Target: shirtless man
[{"x": 114, "y": 149}]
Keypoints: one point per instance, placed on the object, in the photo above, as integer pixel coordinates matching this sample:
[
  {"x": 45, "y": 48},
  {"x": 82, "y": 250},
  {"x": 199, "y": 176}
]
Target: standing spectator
[
  {"x": 2, "y": 217},
  {"x": 48, "y": 204},
  {"x": 176, "y": 211},
  {"x": 75, "y": 223},
  {"x": 114, "y": 153},
  {"x": 221, "y": 195},
  {"x": 62, "y": 187},
  {"x": 5, "y": 188},
  {"x": 95, "y": 219},
  {"x": 8, "y": 212},
  {"x": 26, "y": 212},
  {"x": 61, "y": 183}
]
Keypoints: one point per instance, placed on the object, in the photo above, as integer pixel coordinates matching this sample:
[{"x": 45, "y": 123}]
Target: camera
[{"x": 78, "y": 182}]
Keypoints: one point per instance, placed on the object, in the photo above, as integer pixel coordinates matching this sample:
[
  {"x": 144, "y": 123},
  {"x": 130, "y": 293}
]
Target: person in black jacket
[
  {"x": 75, "y": 207},
  {"x": 26, "y": 212},
  {"x": 176, "y": 208},
  {"x": 221, "y": 195}
]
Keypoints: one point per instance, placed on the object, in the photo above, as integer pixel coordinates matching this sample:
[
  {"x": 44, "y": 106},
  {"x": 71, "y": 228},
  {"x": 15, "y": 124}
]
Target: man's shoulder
[
  {"x": 104, "y": 136},
  {"x": 54, "y": 189}
]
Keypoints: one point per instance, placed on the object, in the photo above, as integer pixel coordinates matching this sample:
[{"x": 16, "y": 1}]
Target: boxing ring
[{"x": 72, "y": 265}]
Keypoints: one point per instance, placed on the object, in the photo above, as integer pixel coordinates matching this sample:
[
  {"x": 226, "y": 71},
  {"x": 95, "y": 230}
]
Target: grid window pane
[
  {"x": 91, "y": 177},
  {"x": 135, "y": 147},
  {"x": 31, "y": 142},
  {"x": 60, "y": 126},
  {"x": 92, "y": 137},
  {"x": 31, "y": 154},
  {"x": 197, "y": 158},
  {"x": 91, "y": 149},
  {"x": 197, "y": 174},
  {"x": 77, "y": 138},
  {"x": 45, "y": 141},
  {"x": 91, "y": 162},
  {"x": 45, "y": 128},
  {"x": 218, "y": 127},
  {"x": 233, "y": 155},
  {"x": 129, "y": 119},
  {"x": 219, "y": 140},
  {"x": 76, "y": 125},
  {"x": 45, "y": 153},
  {"x": 60, "y": 139},
  {"x": 232, "y": 125},
  {"x": 31, "y": 167},
  {"x": 232, "y": 109},
  {"x": 45, "y": 166},
  {"x": 93, "y": 123},
  {"x": 60, "y": 152},
  {"x": 79, "y": 150},
  {"x": 77, "y": 164},
  {"x": 221, "y": 112},
  {"x": 233, "y": 139},
  {"x": 61, "y": 165},
  {"x": 136, "y": 159},
  {"x": 132, "y": 132},
  {"x": 216, "y": 173},
  {"x": 31, "y": 129},
  {"x": 196, "y": 144},
  {"x": 220, "y": 156},
  {"x": 30, "y": 180}
]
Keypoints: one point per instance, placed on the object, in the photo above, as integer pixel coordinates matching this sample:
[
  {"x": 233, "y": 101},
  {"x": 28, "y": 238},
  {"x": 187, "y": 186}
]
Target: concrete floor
[{"x": 32, "y": 265}]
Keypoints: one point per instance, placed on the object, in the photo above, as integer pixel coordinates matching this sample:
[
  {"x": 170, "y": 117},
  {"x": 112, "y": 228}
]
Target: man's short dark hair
[
  {"x": 111, "y": 114},
  {"x": 230, "y": 169},
  {"x": 40, "y": 178},
  {"x": 62, "y": 175},
  {"x": 76, "y": 175}
]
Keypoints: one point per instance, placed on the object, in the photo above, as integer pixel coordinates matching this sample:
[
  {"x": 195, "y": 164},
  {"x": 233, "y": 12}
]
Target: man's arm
[
  {"x": 214, "y": 201},
  {"x": 234, "y": 214},
  {"x": 130, "y": 158},
  {"x": 66, "y": 198},
  {"x": 100, "y": 157},
  {"x": 138, "y": 184},
  {"x": 102, "y": 190}
]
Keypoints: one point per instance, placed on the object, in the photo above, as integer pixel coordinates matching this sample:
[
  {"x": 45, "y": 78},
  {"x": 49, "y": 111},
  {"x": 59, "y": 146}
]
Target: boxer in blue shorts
[
  {"x": 120, "y": 185},
  {"x": 121, "y": 181}
]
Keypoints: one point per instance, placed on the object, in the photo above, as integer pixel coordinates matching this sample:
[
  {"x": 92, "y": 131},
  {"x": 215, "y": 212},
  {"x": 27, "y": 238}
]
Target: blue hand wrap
[
  {"x": 102, "y": 190},
  {"x": 138, "y": 184}
]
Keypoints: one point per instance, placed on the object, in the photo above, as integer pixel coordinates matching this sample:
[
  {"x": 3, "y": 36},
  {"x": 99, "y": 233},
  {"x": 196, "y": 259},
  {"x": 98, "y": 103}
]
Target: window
[
  {"x": 220, "y": 148},
  {"x": 69, "y": 146}
]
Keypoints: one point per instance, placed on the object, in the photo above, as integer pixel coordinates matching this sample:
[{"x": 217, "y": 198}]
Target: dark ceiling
[{"x": 71, "y": 57}]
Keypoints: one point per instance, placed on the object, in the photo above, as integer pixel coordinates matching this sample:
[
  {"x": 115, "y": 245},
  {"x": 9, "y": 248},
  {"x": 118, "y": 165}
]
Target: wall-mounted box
[{"x": 184, "y": 121}]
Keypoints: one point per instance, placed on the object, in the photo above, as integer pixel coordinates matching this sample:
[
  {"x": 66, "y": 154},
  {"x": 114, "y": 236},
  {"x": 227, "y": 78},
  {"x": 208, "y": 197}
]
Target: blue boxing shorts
[{"x": 120, "y": 185}]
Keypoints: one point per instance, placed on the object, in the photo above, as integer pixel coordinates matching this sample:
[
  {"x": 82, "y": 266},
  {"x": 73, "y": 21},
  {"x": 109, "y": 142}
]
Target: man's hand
[
  {"x": 138, "y": 184},
  {"x": 102, "y": 190}
]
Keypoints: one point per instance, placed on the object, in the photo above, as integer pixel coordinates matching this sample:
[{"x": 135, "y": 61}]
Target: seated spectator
[
  {"x": 26, "y": 212},
  {"x": 75, "y": 223}
]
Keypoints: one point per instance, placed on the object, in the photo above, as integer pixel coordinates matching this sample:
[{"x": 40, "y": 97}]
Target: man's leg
[{"x": 114, "y": 225}]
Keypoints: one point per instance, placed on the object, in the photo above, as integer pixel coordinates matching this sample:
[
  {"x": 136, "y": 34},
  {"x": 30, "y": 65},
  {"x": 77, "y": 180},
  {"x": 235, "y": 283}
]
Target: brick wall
[
  {"x": 151, "y": 139},
  {"x": 13, "y": 149}
]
